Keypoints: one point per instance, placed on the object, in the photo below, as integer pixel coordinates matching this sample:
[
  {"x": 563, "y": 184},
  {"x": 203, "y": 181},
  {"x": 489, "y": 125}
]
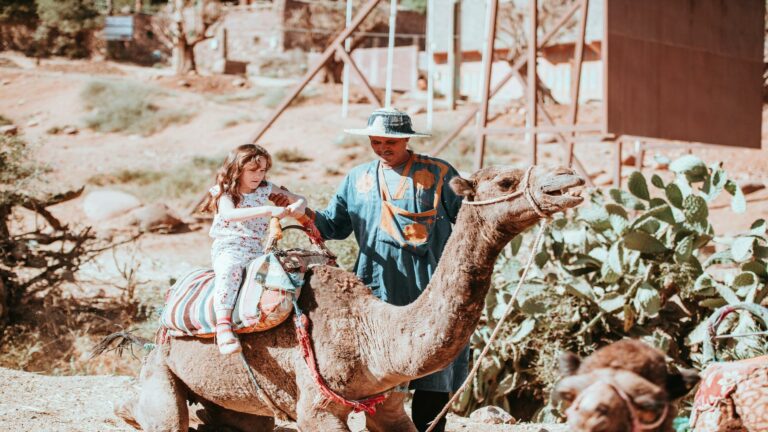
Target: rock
[
  {"x": 748, "y": 187},
  {"x": 6, "y": 82},
  {"x": 102, "y": 205},
  {"x": 630, "y": 160},
  {"x": 239, "y": 82},
  {"x": 184, "y": 83},
  {"x": 32, "y": 123},
  {"x": 604, "y": 179},
  {"x": 9, "y": 130},
  {"x": 154, "y": 217},
  {"x": 69, "y": 130},
  {"x": 492, "y": 415}
]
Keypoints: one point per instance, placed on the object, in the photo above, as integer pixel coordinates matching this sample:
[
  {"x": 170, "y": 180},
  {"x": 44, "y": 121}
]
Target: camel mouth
[{"x": 564, "y": 190}]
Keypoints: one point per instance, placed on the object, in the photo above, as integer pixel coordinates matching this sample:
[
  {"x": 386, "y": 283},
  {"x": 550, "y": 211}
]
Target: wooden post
[
  {"x": 617, "y": 149},
  {"x": 488, "y": 46},
  {"x": 532, "y": 80},
  {"x": 327, "y": 54},
  {"x": 454, "y": 57},
  {"x": 517, "y": 65},
  {"x": 578, "y": 60}
]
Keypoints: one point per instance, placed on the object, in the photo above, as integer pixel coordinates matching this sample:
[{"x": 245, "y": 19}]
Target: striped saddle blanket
[{"x": 271, "y": 283}]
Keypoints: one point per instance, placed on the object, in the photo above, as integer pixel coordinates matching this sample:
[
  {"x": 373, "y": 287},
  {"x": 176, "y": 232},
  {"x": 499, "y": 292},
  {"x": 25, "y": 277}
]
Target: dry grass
[
  {"x": 184, "y": 181},
  {"x": 128, "y": 108},
  {"x": 292, "y": 155}
]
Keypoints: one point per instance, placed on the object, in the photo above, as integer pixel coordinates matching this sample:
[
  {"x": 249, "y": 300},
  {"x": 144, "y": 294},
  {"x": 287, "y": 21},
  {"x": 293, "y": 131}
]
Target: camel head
[
  {"x": 545, "y": 192},
  {"x": 610, "y": 400}
]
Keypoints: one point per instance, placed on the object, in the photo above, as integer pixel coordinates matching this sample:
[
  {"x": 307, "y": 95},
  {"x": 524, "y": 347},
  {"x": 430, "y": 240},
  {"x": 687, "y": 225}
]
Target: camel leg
[
  {"x": 216, "y": 418},
  {"x": 390, "y": 416},
  {"x": 161, "y": 405},
  {"x": 313, "y": 417}
]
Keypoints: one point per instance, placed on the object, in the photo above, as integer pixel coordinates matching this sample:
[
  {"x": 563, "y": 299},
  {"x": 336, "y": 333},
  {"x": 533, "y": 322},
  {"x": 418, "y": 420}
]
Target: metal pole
[
  {"x": 390, "y": 51},
  {"x": 532, "y": 79},
  {"x": 345, "y": 79},
  {"x": 369, "y": 93},
  {"x": 364, "y": 12},
  {"x": 488, "y": 46},
  {"x": 578, "y": 60},
  {"x": 430, "y": 62}
]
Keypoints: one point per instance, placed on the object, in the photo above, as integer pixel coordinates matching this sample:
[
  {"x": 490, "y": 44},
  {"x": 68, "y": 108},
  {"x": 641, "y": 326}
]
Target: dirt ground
[{"x": 39, "y": 97}]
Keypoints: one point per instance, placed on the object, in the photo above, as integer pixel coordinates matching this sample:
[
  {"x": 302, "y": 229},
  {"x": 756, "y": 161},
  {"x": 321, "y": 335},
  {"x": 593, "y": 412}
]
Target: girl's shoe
[{"x": 226, "y": 339}]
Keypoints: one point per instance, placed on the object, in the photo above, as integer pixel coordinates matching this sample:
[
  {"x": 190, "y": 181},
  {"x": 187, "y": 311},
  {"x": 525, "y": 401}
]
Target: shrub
[
  {"x": 631, "y": 264},
  {"x": 127, "y": 108},
  {"x": 65, "y": 26},
  {"x": 293, "y": 155}
]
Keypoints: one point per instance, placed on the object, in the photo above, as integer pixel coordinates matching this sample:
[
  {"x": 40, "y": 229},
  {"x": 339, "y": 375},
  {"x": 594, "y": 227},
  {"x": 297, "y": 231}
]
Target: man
[{"x": 401, "y": 210}]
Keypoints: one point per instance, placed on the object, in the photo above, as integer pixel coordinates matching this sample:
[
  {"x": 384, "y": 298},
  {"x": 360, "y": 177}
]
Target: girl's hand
[{"x": 279, "y": 212}]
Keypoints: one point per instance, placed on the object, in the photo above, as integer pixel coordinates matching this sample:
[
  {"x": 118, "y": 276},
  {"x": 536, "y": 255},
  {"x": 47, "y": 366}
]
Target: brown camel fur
[
  {"x": 593, "y": 388},
  {"x": 363, "y": 345}
]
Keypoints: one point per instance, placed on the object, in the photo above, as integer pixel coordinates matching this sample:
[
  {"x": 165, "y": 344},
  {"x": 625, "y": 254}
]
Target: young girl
[{"x": 240, "y": 224}]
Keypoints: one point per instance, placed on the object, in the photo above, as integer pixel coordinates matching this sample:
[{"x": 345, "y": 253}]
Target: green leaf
[
  {"x": 657, "y": 181},
  {"x": 726, "y": 293},
  {"x": 581, "y": 288},
  {"x": 674, "y": 195},
  {"x": 643, "y": 242},
  {"x": 615, "y": 261},
  {"x": 507, "y": 385},
  {"x": 704, "y": 283},
  {"x": 742, "y": 249},
  {"x": 745, "y": 282},
  {"x": 541, "y": 259},
  {"x": 695, "y": 209},
  {"x": 756, "y": 267},
  {"x": 722, "y": 257},
  {"x": 758, "y": 227},
  {"x": 612, "y": 302},
  {"x": 596, "y": 217},
  {"x": 638, "y": 186},
  {"x": 515, "y": 244},
  {"x": 684, "y": 249},
  {"x": 738, "y": 203},
  {"x": 692, "y": 167},
  {"x": 617, "y": 217},
  {"x": 525, "y": 328},
  {"x": 717, "y": 183},
  {"x": 647, "y": 300}
]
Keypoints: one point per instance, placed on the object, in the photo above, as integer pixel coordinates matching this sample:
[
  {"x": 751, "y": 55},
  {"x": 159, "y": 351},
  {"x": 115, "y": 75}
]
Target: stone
[
  {"x": 748, "y": 187},
  {"x": 604, "y": 179},
  {"x": 239, "y": 82},
  {"x": 69, "y": 130},
  {"x": 155, "y": 217},
  {"x": 492, "y": 415},
  {"x": 184, "y": 83},
  {"x": 6, "y": 82},
  {"x": 9, "y": 130},
  {"x": 32, "y": 123},
  {"x": 105, "y": 204},
  {"x": 630, "y": 160}
]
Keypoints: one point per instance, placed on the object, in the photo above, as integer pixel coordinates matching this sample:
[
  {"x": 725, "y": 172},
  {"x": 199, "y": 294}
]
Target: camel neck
[{"x": 436, "y": 327}]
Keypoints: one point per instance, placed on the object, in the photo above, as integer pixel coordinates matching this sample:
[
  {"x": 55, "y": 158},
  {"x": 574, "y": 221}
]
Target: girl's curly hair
[{"x": 228, "y": 176}]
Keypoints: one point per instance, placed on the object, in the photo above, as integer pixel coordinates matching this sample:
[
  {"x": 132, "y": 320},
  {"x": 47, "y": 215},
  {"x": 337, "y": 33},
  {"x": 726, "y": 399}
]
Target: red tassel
[{"x": 302, "y": 334}]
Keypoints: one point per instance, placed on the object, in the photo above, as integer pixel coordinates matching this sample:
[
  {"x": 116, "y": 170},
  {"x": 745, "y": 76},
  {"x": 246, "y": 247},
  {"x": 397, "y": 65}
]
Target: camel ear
[
  {"x": 463, "y": 187},
  {"x": 681, "y": 382},
  {"x": 568, "y": 363}
]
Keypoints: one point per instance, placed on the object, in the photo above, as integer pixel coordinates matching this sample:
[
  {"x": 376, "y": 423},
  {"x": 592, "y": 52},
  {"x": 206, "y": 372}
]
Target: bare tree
[{"x": 186, "y": 23}]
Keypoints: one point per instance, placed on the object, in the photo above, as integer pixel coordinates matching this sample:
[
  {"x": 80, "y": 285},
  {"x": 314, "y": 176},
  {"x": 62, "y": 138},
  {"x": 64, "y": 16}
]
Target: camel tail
[{"x": 119, "y": 341}]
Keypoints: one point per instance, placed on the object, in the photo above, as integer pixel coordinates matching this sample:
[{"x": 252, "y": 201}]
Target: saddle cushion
[{"x": 270, "y": 286}]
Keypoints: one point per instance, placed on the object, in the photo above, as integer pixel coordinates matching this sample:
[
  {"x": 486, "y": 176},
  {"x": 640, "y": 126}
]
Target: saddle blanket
[{"x": 264, "y": 301}]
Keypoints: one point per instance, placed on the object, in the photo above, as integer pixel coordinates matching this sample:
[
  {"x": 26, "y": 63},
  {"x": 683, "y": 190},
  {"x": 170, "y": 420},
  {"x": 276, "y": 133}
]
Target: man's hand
[{"x": 279, "y": 199}]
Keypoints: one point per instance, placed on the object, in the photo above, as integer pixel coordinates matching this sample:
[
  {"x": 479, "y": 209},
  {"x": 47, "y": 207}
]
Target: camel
[
  {"x": 622, "y": 387},
  {"x": 363, "y": 346}
]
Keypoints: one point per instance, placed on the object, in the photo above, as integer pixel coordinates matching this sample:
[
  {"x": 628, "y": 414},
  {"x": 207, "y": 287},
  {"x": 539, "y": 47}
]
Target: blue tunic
[{"x": 401, "y": 219}]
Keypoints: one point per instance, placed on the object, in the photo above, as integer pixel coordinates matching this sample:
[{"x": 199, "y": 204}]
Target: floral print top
[{"x": 248, "y": 233}]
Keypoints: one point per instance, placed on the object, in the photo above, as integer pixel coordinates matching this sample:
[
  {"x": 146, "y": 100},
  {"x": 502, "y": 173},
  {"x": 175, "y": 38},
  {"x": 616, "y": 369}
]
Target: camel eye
[
  {"x": 602, "y": 409},
  {"x": 506, "y": 183}
]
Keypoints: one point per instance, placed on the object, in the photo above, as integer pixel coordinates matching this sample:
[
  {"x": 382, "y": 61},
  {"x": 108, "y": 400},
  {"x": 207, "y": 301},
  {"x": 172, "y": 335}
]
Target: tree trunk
[
  {"x": 184, "y": 56},
  {"x": 3, "y": 304}
]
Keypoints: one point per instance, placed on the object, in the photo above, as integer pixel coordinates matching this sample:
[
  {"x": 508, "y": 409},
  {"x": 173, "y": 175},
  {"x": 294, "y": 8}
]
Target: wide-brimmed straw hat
[{"x": 388, "y": 123}]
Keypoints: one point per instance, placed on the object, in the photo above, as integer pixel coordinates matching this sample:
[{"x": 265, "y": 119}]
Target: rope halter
[
  {"x": 525, "y": 190},
  {"x": 637, "y": 425}
]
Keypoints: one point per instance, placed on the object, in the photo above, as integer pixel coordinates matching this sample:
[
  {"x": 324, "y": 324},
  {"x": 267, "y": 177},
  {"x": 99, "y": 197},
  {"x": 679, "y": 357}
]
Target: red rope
[{"x": 302, "y": 334}]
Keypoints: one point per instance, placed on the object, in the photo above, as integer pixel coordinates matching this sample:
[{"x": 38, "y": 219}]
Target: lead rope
[
  {"x": 510, "y": 307},
  {"x": 637, "y": 425}
]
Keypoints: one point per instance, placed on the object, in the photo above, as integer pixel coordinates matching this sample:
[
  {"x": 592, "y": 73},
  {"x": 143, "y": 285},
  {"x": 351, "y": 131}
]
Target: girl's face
[{"x": 252, "y": 176}]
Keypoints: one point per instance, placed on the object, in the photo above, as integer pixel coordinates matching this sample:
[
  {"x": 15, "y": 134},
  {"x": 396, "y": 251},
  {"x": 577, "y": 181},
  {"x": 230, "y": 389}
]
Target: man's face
[{"x": 392, "y": 151}]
